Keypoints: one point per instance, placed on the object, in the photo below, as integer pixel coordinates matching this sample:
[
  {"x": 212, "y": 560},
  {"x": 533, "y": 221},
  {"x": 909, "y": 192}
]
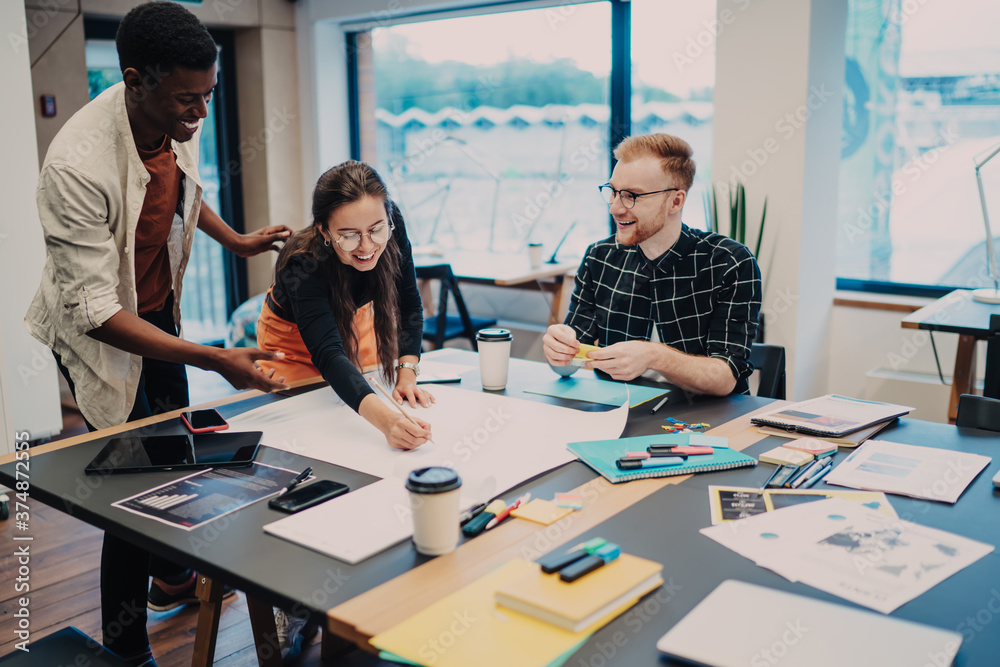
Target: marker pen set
[
  {"x": 484, "y": 517},
  {"x": 796, "y": 477},
  {"x": 580, "y": 560},
  {"x": 661, "y": 456}
]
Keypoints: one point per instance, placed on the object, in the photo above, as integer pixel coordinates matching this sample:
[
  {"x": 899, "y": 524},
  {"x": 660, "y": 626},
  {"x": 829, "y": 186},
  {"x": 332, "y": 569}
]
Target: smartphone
[
  {"x": 307, "y": 496},
  {"x": 204, "y": 421}
]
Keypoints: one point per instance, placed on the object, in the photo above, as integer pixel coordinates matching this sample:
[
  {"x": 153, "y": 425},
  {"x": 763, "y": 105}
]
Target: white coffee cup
[
  {"x": 434, "y": 494},
  {"x": 535, "y": 255},
  {"x": 494, "y": 353}
]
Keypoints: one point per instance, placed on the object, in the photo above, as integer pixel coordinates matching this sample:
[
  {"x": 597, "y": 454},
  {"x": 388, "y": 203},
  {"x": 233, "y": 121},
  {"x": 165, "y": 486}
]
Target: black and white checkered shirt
[{"x": 703, "y": 295}]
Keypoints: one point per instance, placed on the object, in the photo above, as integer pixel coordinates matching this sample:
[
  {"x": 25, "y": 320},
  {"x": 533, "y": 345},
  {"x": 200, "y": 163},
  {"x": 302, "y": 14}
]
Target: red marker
[{"x": 506, "y": 513}]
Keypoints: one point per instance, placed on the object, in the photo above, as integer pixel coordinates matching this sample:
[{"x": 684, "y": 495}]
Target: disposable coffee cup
[
  {"x": 494, "y": 353},
  {"x": 535, "y": 255},
  {"x": 434, "y": 493}
]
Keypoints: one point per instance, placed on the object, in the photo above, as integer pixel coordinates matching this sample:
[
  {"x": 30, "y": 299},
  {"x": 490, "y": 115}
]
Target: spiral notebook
[
  {"x": 830, "y": 416},
  {"x": 602, "y": 454}
]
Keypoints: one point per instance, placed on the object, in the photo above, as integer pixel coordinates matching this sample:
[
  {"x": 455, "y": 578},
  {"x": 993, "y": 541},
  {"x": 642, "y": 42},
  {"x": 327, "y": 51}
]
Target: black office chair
[
  {"x": 978, "y": 412},
  {"x": 442, "y": 327},
  {"x": 991, "y": 386},
  {"x": 770, "y": 361},
  {"x": 68, "y": 646}
]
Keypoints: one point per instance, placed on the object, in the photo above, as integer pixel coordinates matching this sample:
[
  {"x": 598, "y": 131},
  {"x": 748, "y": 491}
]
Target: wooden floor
[{"x": 64, "y": 582}]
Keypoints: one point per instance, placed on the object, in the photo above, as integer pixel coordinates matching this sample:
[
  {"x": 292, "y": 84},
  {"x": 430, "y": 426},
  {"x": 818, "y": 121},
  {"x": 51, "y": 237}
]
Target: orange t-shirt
[{"x": 153, "y": 281}]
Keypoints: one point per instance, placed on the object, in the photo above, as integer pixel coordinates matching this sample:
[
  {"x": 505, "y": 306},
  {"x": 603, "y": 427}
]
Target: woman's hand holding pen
[
  {"x": 401, "y": 429},
  {"x": 401, "y": 433}
]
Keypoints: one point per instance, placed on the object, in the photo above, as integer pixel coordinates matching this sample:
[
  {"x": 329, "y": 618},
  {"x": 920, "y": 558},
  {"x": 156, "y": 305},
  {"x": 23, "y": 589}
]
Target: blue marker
[{"x": 653, "y": 463}]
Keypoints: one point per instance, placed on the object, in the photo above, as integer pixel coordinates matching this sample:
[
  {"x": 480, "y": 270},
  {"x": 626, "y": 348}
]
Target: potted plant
[{"x": 737, "y": 227}]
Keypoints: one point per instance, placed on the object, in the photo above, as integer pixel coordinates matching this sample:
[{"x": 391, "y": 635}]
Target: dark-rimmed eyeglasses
[
  {"x": 627, "y": 198},
  {"x": 379, "y": 234}
]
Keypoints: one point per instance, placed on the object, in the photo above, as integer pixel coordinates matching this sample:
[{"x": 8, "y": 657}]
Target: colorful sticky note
[{"x": 541, "y": 511}]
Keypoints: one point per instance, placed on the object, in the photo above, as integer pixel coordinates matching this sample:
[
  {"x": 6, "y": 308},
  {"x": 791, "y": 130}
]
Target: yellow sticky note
[
  {"x": 541, "y": 511},
  {"x": 581, "y": 356}
]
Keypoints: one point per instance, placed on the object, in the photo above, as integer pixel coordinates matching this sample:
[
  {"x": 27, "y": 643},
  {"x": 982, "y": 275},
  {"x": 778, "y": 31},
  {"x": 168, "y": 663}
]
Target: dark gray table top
[{"x": 234, "y": 549}]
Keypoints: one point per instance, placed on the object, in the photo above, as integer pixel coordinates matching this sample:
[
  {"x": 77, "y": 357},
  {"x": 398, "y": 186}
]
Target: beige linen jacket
[{"x": 90, "y": 193}]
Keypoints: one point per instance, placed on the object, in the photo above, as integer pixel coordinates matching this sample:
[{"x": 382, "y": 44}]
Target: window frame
[{"x": 620, "y": 87}]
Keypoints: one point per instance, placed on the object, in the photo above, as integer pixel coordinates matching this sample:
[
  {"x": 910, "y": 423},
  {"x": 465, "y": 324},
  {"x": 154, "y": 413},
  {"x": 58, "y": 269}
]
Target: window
[
  {"x": 922, "y": 102},
  {"x": 211, "y": 290},
  {"x": 673, "y": 75},
  {"x": 489, "y": 143}
]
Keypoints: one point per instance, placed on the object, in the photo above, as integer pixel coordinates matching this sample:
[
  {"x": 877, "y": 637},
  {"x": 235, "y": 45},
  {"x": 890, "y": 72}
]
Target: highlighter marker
[
  {"x": 478, "y": 524},
  {"x": 640, "y": 464},
  {"x": 784, "y": 474},
  {"x": 601, "y": 557}
]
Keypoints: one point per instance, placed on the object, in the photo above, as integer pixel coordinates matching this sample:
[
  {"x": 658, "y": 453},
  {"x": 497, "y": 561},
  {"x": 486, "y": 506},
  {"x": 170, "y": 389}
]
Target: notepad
[
  {"x": 601, "y": 455},
  {"x": 578, "y": 605},
  {"x": 782, "y": 456},
  {"x": 758, "y": 623}
]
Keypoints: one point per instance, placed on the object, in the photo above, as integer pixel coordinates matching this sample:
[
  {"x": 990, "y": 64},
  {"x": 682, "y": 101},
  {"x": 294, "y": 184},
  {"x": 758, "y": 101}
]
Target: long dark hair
[{"x": 347, "y": 183}]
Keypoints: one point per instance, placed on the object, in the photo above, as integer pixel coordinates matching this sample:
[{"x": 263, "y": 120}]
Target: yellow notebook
[
  {"x": 577, "y": 605},
  {"x": 468, "y": 628}
]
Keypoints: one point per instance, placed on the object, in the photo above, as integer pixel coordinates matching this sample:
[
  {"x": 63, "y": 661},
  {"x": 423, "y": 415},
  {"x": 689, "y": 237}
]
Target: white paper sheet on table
[
  {"x": 909, "y": 470},
  {"x": 851, "y": 551},
  {"x": 354, "y": 526},
  {"x": 494, "y": 442}
]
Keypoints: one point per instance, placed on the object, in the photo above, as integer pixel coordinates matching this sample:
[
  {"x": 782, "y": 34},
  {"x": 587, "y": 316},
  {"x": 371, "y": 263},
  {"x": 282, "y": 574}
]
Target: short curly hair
[{"x": 155, "y": 37}]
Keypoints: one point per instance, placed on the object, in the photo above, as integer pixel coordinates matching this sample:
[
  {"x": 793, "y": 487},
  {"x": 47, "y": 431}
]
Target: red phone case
[{"x": 207, "y": 429}]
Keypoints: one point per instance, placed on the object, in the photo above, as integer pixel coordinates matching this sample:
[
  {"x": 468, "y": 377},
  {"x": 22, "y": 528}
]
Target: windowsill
[{"x": 872, "y": 301}]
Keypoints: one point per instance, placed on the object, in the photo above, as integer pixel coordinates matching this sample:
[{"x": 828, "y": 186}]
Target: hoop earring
[{"x": 326, "y": 242}]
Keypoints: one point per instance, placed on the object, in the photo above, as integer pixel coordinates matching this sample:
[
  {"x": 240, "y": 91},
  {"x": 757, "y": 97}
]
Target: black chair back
[
  {"x": 442, "y": 327},
  {"x": 978, "y": 412},
  {"x": 770, "y": 361},
  {"x": 991, "y": 386}
]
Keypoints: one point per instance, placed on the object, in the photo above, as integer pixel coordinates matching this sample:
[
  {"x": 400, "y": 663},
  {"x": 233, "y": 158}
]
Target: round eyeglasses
[
  {"x": 379, "y": 234},
  {"x": 627, "y": 198}
]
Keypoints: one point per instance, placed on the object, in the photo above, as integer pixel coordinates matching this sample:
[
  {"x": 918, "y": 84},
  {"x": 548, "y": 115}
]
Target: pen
[
  {"x": 296, "y": 480},
  {"x": 506, "y": 513},
  {"x": 815, "y": 469},
  {"x": 818, "y": 476},
  {"x": 470, "y": 514},
  {"x": 659, "y": 405},
  {"x": 688, "y": 450},
  {"x": 397, "y": 406},
  {"x": 769, "y": 479}
]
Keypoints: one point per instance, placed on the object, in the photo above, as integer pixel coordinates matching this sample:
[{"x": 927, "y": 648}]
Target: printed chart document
[
  {"x": 206, "y": 495},
  {"x": 909, "y": 470},
  {"x": 830, "y": 415},
  {"x": 850, "y": 551}
]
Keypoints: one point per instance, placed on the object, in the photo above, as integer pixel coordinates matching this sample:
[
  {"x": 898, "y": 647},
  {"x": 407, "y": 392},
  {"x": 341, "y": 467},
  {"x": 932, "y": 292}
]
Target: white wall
[
  {"x": 29, "y": 389},
  {"x": 777, "y": 124}
]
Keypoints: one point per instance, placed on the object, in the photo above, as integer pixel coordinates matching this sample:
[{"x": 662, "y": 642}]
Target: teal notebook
[{"x": 602, "y": 454}]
